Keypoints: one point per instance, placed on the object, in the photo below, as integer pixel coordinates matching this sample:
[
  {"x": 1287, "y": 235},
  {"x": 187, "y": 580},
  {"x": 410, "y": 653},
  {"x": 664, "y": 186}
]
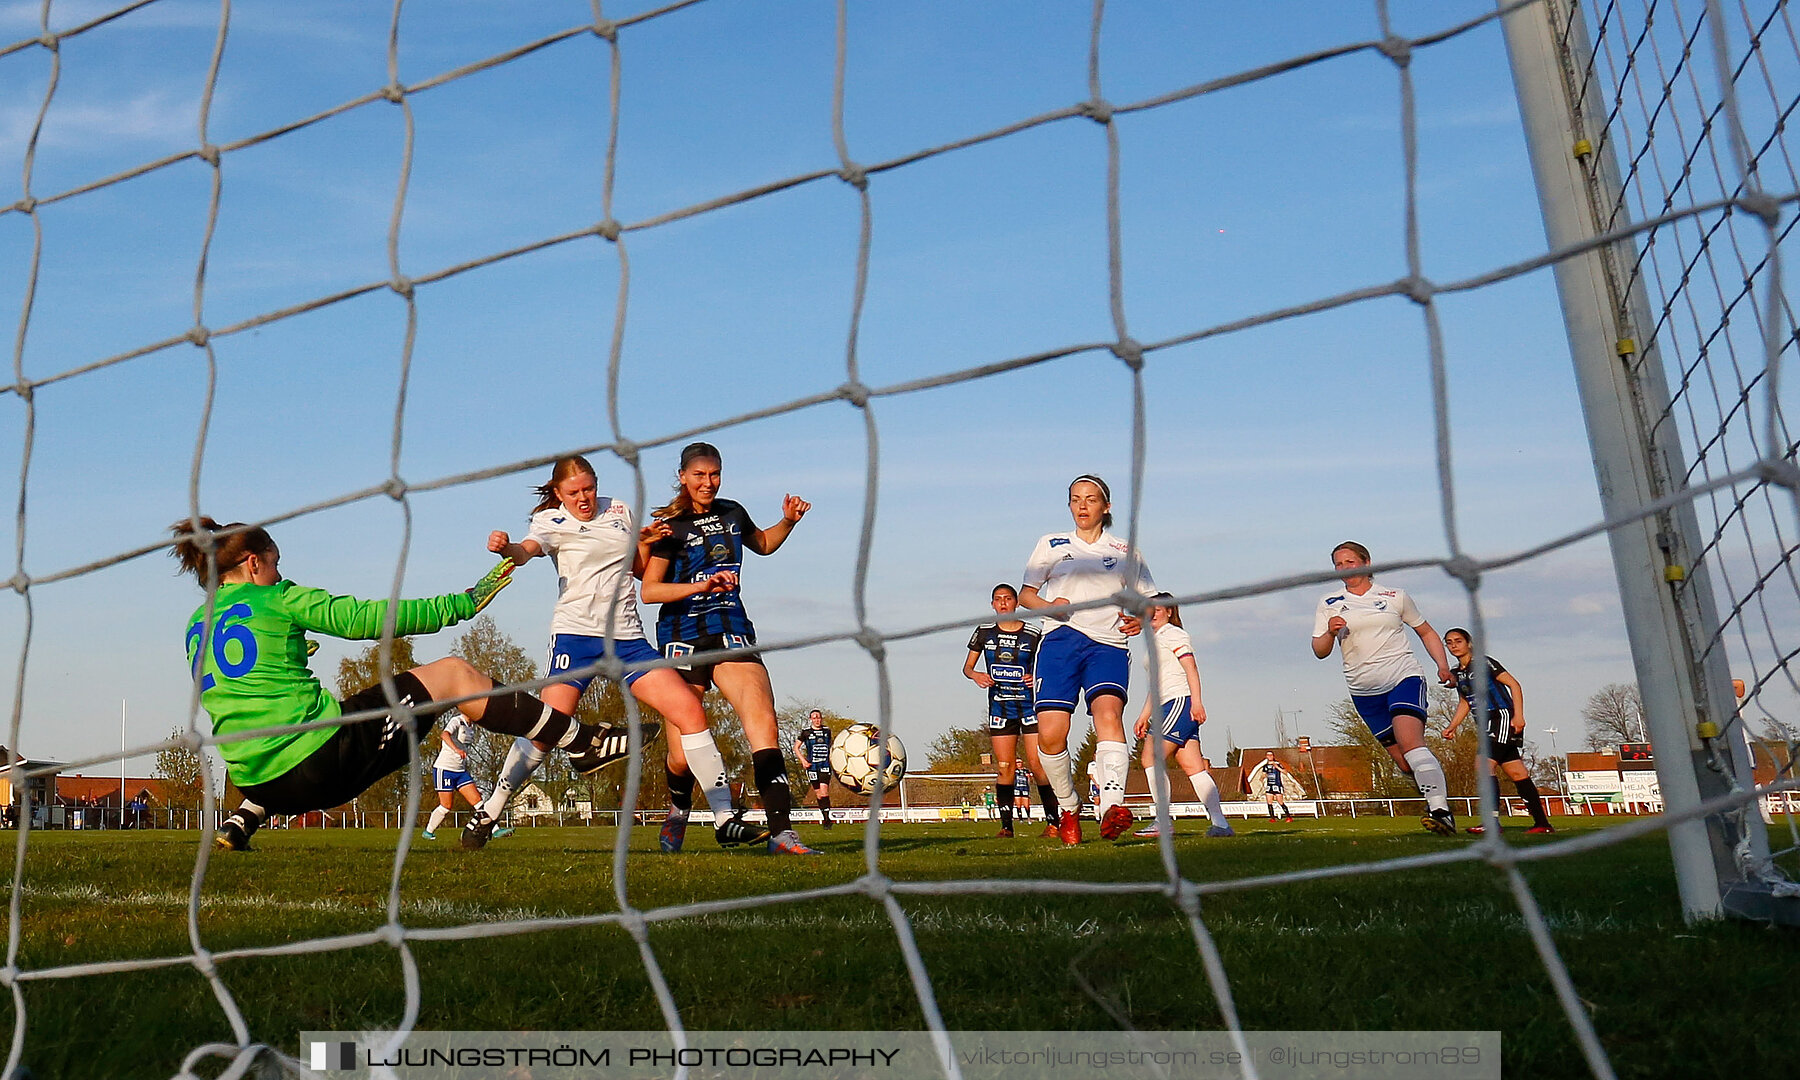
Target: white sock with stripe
[
  {"x": 521, "y": 761},
  {"x": 1209, "y": 794},
  {"x": 708, "y": 767},
  {"x": 438, "y": 814},
  {"x": 1113, "y": 759},
  {"x": 1429, "y": 775},
  {"x": 1056, "y": 769},
  {"x": 1159, "y": 786}
]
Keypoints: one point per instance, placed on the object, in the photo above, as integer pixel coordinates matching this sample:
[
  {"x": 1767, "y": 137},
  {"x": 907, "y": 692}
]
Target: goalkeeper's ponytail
[{"x": 229, "y": 551}]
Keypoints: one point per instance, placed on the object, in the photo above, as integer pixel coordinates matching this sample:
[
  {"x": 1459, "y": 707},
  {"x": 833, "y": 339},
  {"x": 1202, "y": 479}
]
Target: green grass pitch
[{"x": 1437, "y": 948}]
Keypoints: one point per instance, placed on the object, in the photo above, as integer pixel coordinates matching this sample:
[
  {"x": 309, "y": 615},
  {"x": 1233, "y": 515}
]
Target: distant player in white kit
[
  {"x": 1368, "y": 627},
  {"x": 450, "y": 772},
  {"x": 1085, "y": 655},
  {"x": 1178, "y": 713}
]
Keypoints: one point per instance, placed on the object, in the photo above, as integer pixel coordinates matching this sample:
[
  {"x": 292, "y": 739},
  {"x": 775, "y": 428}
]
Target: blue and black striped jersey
[
  {"x": 1499, "y": 697},
  {"x": 699, "y": 546},
  {"x": 1010, "y": 657},
  {"x": 817, "y": 742}
]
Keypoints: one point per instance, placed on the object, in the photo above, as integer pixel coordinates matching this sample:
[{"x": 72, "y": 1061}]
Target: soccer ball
[{"x": 857, "y": 757}]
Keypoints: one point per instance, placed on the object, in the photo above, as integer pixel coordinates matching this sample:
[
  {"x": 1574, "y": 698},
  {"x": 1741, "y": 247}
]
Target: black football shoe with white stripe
[{"x": 612, "y": 744}]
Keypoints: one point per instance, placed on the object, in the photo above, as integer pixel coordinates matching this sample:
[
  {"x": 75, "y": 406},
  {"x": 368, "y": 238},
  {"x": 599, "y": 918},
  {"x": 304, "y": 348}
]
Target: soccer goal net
[{"x": 520, "y": 178}]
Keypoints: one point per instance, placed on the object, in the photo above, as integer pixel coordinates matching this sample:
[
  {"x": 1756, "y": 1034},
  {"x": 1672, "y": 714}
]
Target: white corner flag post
[{"x": 1667, "y": 598}]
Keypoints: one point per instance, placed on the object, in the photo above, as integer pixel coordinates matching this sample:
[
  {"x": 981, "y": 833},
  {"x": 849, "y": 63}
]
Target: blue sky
[{"x": 1266, "y": 447}]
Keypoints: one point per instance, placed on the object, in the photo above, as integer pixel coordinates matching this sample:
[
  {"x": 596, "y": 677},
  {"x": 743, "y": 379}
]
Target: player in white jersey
[
  {"x": 450, "y": 772},
  {"x": 598, "y": 551},
  {"x": 1178, "y": 712},
  {"x": 1085, "y": 655},
  {"x": 1368, "y": 627}
]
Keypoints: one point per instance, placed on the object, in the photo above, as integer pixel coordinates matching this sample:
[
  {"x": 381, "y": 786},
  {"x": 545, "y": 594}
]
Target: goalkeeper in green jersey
[{"x": 248, "y": 650}]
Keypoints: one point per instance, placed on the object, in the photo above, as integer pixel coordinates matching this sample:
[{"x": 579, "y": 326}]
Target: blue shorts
[
  {"x": 571, "y": 651},
  {"x": 1071, "y": 664},
  {"x": 1175, "y": 720},
  {"x": 450, "y": 779},
  {"x": 1378, "y": 710}
]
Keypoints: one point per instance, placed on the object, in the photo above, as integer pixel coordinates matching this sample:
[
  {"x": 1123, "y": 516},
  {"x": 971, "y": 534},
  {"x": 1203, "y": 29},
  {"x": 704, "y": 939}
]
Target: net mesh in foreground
[{"x": 1697, "y": 97}]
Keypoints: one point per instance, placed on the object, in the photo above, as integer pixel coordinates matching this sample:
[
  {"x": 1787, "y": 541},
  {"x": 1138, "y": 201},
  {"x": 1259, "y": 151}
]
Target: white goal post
[{"x": 1577, "y": 125}]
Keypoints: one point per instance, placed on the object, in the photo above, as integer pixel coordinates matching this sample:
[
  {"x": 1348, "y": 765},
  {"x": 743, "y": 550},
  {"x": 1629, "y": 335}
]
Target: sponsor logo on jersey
[
  {"x": 1012, "y": 673},
  {"x": 718, "y": 553},
  {"x": 1068, "y": 557},
  {"x": 1330, "y": 600},
  {"x": 558, "y": 521},
  {"x": 1381, "y": 605},
  {"x": 711, "y": 525},
  {"x": 1059, "y": 541},
  {"x": 1109, "y": 562}
]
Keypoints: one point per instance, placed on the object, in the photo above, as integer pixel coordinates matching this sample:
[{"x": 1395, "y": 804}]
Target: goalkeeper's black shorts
[{"x": 354, "y": 757}]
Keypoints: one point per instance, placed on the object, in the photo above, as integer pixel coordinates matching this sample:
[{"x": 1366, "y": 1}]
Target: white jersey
[
  {"x": 1065, "y": 567},
  {"x": 1373, "y": 642},
  {"x": 1172, "y": 645},
  {"x": 458, "y": 727},
  {"x": 597, "y": 594}
]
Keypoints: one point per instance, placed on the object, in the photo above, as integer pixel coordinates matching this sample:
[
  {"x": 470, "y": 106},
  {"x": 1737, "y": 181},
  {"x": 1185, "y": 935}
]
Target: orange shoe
[
  {"x": 1070, "y": 829},
  {"x": 1050, "y": 832},
  {"x": 1114, "y": 823}
]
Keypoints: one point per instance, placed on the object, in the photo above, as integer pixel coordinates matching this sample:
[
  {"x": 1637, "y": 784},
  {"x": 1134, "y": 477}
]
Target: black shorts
[
  {"x": 356, "y": 756},
  {"x": 1502, "y": 744},
  {"x": 701, "y": 674},
  {"x": 1012, "y": 725},
  {"x": 818, "y": 774}
]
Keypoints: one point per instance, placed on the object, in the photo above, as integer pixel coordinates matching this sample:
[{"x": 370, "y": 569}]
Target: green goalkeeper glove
[
  {"x": 484, "y": 591},
  {"x": 311, "y": 646}
]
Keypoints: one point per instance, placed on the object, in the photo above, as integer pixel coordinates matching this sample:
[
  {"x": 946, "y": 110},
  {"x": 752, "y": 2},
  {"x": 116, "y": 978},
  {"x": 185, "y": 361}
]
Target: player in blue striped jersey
[
  {"x": 693, "y": 573},
  {"x": 1502, "y": 724},
  {"x": 813, "y": 747},
  {"x": 1007, "y": 652}
]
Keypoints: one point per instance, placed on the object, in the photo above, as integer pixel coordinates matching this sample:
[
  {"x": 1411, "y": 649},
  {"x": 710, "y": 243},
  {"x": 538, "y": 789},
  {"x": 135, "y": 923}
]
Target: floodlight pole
[{"x": 1666, "y": 596}]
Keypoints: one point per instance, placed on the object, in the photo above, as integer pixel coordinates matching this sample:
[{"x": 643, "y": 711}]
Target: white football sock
[
  {"x": 1159, "y": 786},
  {"x": 1114, "y": 759},
  {"x": 1429, "y": 775},
  {"x": 521, "y": 761},
  {"x": 1056, "y": 768},
  {"x": 1209, "y": 794},
  {"x": 708, "y": 767},
  {"x": 438, "y": 814}
]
